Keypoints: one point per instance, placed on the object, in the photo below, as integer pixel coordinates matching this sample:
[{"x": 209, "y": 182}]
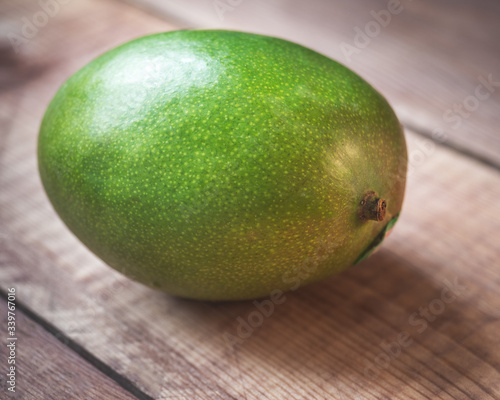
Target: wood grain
[
  {"x": 428, "y": 59},
  {"x": 324, "y": 341},
  {"x": 47, "y": 369}
]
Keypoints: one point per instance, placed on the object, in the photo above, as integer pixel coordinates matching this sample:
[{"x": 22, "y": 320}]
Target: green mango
[{"x": 222, "y": 165}]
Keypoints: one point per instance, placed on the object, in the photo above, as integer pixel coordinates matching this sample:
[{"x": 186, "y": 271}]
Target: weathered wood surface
[
  {"x": 426, "y": 57},
  {"x": 321, "y": 340},
  {"x": 324, "y": 341},
  {"x": 46, "y": 368}
]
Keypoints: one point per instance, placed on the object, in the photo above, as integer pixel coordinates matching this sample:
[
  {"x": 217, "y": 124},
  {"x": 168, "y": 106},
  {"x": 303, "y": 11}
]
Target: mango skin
[{"x": 220, "y": 165}]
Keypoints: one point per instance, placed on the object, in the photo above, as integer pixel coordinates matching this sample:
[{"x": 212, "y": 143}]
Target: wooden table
[{"x": 389, "y": 328}]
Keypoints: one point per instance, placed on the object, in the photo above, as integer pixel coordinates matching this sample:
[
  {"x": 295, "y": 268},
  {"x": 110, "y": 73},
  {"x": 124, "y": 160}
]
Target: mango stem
[{"x": 372, "y": 207}]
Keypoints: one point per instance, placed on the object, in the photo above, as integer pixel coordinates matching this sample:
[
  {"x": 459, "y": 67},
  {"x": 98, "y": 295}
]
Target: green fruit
[{"x": 222, "y": 165}]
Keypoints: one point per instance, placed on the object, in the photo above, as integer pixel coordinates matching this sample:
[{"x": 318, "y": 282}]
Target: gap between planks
[{"x": 34, "y": 361}]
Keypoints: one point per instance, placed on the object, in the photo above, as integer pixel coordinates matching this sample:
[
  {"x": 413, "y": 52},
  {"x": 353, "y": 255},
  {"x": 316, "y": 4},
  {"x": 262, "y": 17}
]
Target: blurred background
[
  {"x": 88, "y": 332},
  {"x": 426, "y": 57}
]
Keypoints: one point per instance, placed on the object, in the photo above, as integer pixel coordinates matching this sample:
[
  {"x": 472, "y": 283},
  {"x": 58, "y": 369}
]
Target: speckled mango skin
[{"x": 220, "y": 165}]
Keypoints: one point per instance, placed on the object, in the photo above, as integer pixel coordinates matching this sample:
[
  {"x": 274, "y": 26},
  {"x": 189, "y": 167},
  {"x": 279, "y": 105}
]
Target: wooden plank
[
  {"x": 324, "y": 341},
  {"x": 45, "y": 368},
  {"x": 429, "y": 58}
]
